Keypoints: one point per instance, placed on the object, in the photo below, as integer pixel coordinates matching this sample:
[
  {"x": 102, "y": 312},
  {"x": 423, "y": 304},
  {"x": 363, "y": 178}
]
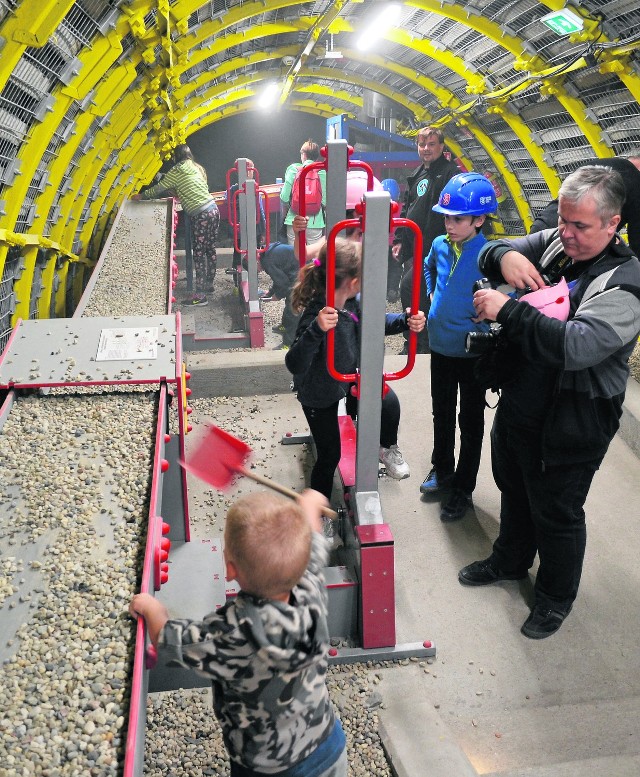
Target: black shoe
[
  {"x": 281, "y": 347},
  {"x": 279, "y": 329},
  {"x": 433, "y": 484},
  {"x": 485, "y": 573},
  {"x": 543, "y": 621},
  {"x": 456, "y": 506}
]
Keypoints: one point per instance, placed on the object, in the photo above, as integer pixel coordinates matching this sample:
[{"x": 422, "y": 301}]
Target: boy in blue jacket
[{"x": 451, "y": 269}]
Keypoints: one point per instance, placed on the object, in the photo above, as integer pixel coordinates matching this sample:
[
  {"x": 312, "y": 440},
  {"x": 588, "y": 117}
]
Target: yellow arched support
[
  {"x": 30, "y": 24},
  {"x": 523, "y": 134}
]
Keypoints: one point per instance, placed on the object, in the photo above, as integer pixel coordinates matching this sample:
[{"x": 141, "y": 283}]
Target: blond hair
[{"x": 268, "y": 538}]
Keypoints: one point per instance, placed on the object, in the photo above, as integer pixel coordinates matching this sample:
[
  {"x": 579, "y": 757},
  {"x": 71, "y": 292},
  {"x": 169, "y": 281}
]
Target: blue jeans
[{"x": 542, "y": 510}]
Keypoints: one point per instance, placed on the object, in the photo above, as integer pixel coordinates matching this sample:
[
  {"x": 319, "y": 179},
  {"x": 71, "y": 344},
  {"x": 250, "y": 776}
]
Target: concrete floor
[{"x": 493, "y": 703}]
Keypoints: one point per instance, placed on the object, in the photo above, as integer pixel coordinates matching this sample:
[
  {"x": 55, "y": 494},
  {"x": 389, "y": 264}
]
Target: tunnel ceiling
[{"x": 95, "y": 92}]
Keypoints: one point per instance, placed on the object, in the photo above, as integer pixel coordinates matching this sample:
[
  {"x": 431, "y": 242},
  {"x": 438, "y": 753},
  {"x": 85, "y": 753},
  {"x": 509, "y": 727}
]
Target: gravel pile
[
  {"x": 184, "y": 739},
  {"x": 74, "y": 479},
  {"x": 73, "y": 476}
]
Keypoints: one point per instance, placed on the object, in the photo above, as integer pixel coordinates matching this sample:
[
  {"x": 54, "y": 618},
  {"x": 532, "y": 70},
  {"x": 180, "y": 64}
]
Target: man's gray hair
[{"x": 604, "y": 184}]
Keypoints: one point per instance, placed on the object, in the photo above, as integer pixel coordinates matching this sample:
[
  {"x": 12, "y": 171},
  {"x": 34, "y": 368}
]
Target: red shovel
[{"x": 219, "y": 456}]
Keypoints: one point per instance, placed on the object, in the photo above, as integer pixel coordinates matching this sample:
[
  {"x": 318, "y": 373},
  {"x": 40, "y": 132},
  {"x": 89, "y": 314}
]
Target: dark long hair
[{"x": 312, "y": 280}]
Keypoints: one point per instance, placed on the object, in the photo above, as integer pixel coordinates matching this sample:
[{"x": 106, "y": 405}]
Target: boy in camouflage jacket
[{"x": 265, "y": 652}]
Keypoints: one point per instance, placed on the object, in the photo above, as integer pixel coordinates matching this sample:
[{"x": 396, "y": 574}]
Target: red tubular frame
[
  {"x": 304, "y": 171},
  {"x": 331, "y": 293}
]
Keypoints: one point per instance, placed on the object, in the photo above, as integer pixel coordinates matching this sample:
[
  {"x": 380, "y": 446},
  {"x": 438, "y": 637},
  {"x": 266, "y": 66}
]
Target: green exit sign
[{"x": 563, "y": 22}]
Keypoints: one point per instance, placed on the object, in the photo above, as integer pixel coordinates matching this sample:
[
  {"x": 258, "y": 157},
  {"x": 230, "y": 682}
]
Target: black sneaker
[
  {"x": 543, "y": 621},
  {"x": 433, "y": 484},
  {"x": 456, "y": 506},
  {"x": 279, "y": 329},
  {"x": 486, "y": 573}
]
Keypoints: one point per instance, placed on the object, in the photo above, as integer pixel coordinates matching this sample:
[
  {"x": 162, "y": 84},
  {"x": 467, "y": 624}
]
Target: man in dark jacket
[
  {"x": 423, "y": 190},
  {"x": 629, "y": 169},
  {"x": 560, "y": 410}
]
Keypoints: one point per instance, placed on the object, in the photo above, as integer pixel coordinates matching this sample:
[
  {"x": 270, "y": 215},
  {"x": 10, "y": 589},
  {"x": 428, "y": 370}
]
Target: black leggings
[{"x": 323, "y": 424}]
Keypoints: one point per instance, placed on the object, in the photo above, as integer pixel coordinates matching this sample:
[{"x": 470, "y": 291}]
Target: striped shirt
[{"x": 184, "y": 181}]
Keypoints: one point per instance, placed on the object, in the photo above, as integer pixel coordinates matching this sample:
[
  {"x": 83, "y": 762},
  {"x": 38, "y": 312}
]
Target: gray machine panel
[{"x": 81, "y": 351}]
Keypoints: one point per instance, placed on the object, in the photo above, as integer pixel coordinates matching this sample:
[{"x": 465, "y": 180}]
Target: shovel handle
[{"x": 281, "y": 489}]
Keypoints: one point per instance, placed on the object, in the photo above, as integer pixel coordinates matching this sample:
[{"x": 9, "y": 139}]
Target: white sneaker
[{"x": 396, "y": 466}]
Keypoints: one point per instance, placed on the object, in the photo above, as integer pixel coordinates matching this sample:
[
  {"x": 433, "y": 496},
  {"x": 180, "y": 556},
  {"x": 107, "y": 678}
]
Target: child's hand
[
  {"x": 312, "y": 503},
  {"x": 416, "y": 323},
  {"x": 299, "y": 223},
  {"x": 154, "y": 613},
  {"x": 327, "y": 319}
]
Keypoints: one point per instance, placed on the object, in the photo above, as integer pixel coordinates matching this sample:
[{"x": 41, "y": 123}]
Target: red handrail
[{"x": 394, "y": 223}]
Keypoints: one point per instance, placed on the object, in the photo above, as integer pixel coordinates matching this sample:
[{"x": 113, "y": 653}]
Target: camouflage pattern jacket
[{"x": 267, "y": 661}]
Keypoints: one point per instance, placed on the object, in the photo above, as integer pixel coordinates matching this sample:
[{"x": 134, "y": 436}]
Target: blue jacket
[{"x": 452, "y": 311}]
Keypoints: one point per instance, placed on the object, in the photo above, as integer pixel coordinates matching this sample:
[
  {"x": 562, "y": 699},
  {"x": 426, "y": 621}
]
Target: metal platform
[{"x": 90, "y": 351}]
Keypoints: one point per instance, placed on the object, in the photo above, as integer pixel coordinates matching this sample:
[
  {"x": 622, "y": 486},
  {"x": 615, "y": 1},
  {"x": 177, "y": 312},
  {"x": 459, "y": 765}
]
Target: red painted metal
[
  {"x": 377, "y": 586},
  {"x": 347, "y": 464}
]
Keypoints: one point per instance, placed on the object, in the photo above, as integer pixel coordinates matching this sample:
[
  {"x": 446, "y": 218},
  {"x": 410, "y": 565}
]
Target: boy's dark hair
[{"x": 312, "y": 280}]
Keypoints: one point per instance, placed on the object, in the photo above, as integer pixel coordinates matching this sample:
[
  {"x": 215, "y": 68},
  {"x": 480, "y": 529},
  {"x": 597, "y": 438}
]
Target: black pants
[
  {"x": 323, "y": 424},
  {"x": 448, "y": 374},
  {"x": 541, "y": 511},
  {"x": 406, "y": 284},
  {"x": 394, "y": 273}
]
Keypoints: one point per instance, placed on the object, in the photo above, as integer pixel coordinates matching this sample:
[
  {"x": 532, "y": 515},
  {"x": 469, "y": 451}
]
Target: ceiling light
[
  {"x": 378, "y": 26},
  {"x": 269, "y": 95}
]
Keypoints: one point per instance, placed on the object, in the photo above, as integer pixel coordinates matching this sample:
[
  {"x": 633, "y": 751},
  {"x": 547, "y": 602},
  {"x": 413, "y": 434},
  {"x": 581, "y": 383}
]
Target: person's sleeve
[
  {"x": 546, "y": 219},
  {"x": 194, "y": 644},
  {"x": 430, "y": 271},
  {"x": 601, "y": 326},
  {"x": 309, "y": 340},
  {"x": 164, "y": 186},
  {"x": 397, "y": 238},
  {"x": 395, "y": 323},
  {"x": 490, "y": 256},
  {"x": 287, "y": 186},
  {"x": 633, "y": 234}
]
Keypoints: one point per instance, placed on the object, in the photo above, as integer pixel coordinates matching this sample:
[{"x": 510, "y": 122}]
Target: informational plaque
[{"x": 127, "y": 344}]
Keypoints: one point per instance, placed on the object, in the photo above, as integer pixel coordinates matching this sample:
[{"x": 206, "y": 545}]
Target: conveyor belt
[{"x": 80, "y": 476}]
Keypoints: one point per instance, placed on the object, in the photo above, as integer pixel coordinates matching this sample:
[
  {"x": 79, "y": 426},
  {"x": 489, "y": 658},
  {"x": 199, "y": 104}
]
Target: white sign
[{"x": 128, "y": 344}]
